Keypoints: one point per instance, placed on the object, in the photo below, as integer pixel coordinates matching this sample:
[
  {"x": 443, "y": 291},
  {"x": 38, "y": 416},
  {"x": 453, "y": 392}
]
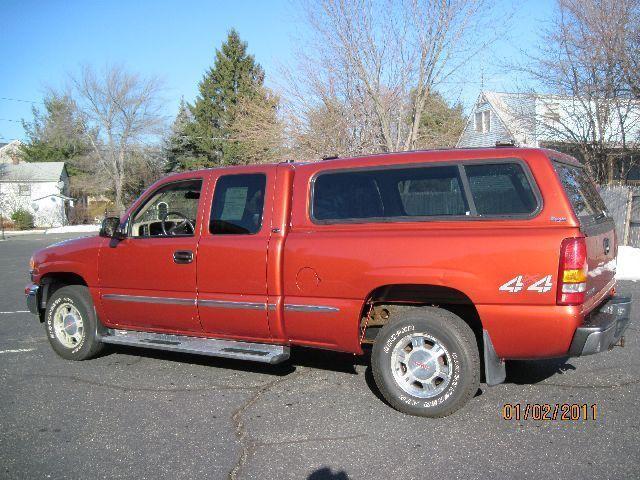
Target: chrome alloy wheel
[
  {"x": 421, "y": 365},
  {"x": 68, "y": 325}
]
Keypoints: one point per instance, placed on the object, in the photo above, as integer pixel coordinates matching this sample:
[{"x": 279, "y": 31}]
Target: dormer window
[{"x": 483, "y": 121}]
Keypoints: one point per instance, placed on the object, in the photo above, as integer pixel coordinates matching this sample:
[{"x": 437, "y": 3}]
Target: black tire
[
  {"x": 460, "y": 360},
  {"x": 64, "y": 300}
]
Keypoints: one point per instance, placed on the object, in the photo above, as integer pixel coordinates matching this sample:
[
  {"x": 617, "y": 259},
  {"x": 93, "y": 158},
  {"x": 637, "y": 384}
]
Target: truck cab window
[
  {"x": 238, "y": 202},
  {"x": 171, "y": 211}
]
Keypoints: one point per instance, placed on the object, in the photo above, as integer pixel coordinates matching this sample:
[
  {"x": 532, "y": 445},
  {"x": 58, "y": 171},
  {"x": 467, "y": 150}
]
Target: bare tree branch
[
  {"x": 373, "y": 64},
  {"x": 124, "y": 111}
]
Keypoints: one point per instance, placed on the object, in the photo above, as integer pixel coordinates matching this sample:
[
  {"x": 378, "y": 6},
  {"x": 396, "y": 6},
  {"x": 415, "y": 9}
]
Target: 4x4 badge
[{"x": 516, "y": 285}]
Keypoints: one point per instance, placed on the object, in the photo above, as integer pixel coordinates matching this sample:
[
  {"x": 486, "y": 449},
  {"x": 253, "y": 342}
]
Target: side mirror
[{"x": 111, "y": 228}]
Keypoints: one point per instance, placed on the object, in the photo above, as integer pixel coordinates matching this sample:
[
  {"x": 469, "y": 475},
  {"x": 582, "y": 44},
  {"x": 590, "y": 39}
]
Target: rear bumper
[
  {"x": 31, "y": 294},
  {"x": 603, "y": 328}
]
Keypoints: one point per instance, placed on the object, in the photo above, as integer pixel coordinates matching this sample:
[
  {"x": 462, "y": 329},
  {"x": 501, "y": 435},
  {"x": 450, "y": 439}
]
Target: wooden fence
[{"x": 623, "y": 204}]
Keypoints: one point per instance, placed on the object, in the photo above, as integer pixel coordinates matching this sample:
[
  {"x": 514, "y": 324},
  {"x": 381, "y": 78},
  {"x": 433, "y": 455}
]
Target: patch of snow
[
  {"x": 73, "y": 229},
  {"x": 628, "y": 263},
  {"x": 15, "y": 233}
]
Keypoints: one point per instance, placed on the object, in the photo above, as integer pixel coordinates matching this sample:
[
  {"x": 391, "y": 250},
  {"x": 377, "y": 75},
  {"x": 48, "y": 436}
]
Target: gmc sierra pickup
[{"x": 447, "y": 262}]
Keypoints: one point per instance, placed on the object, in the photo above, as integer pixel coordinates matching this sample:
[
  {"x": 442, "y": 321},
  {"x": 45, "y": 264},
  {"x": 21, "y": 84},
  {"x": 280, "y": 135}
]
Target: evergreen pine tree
[
  {"x": 441, "y": 124},
  {"x": 235, "y": 75},
  {"x": 57, "y": 135},
  {"x": 179, "y": 150}
]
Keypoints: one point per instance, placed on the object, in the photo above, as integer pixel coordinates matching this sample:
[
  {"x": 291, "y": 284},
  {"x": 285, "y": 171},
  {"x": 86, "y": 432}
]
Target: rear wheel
[
  {"x": 71, "y": 323},
  {"x": 426, "y": 362}
]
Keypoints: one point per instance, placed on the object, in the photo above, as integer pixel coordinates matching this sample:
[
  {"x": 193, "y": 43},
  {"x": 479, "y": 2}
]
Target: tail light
[{"x": 572, "y": 275}]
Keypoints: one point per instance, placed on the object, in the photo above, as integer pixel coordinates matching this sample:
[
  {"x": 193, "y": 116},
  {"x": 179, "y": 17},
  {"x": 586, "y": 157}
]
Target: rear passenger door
[{"x": 232, "y": 256}]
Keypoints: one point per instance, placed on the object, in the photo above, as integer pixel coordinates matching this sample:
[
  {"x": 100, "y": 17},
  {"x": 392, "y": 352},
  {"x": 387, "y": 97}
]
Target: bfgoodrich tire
[
  {"x": 71, "y": 323},
  {"x": 425, "y": 362}
]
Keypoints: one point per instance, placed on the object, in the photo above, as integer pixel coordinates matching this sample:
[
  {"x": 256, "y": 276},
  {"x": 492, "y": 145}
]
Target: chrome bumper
[
  {"x": 31, "y": 294},
  {"x": 603, "y": 328}
]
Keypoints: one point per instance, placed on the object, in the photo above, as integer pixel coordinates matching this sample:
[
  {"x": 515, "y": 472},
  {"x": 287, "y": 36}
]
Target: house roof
[
  {"x": 500, "y": 106},
  {"x": 59, "y": 195},
  {"x": 516, "y": 111},
  {"x": 9, "y": 145},
  {"x": 27, "y": 172}
]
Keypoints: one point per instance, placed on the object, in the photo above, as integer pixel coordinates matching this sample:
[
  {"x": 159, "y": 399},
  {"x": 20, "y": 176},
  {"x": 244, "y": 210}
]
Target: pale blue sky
[{"x": 42, "y": 41}]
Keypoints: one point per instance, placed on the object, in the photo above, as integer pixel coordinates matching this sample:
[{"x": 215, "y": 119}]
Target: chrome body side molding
[
  {"x": 145, "y": 299},
  {"x": 218, "y": 303},
  {"x": 310, "y": 308},
  {"x": 226, "y": 304}
]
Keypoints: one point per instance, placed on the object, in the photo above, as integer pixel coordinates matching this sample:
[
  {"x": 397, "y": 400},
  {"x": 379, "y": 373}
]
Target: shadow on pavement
[
  {"x": 302, "y": 357},
  {"x": 193, "y": 359},
  {"x": 325, "y": 473},
  {"x": 526, "y": 372},
  {"x": 519, "y": 372}
]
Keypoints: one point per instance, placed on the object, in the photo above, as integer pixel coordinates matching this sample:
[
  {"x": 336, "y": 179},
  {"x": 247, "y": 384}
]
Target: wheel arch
[
  {"x": 52, "y": 281},
  {"x": 378, "y": 307}
]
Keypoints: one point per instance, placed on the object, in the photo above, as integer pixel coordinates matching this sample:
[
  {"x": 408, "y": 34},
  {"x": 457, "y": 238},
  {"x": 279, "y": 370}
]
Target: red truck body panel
[{"x": 307, "y": 283}]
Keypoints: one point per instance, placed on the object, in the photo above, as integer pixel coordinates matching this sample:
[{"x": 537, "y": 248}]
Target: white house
[
  {"x": 41, "y": 188},
  {"x": 534, "y": 120},
  {"x": 559, "y": 122}
]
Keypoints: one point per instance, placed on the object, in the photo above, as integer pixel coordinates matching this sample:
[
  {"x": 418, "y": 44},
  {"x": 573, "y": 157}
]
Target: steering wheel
[{"x": 175, "y": 228}]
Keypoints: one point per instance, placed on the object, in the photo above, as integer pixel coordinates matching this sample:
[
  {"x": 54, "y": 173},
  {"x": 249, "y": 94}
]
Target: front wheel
[
  {"x": 426, "y": 362},
  {"x": 71, "y": 323}
]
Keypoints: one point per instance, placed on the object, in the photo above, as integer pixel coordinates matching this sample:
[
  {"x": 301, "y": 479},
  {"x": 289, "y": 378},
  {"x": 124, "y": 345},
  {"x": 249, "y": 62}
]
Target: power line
[
  {"x": 19, "y": 100},
  {"x": 10, "y": 120}
]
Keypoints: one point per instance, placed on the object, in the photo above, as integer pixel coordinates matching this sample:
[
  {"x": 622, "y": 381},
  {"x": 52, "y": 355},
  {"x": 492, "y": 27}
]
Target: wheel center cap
[
  {"x": 422, "y": 365},
  {"x": 70, "y": 325}
]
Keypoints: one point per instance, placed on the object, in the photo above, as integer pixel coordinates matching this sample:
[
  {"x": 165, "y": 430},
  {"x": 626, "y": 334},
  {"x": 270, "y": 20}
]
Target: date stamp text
[{"x": 570, "y": 412}]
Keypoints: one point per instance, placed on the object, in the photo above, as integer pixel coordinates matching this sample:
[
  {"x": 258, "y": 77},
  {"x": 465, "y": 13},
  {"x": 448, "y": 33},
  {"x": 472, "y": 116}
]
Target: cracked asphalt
[{"x": 147, "y": 414}]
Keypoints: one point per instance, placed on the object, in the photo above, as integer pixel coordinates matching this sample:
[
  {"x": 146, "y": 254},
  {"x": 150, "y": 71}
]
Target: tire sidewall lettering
[
  {"x": 49, "y": 322},
  {"x": 391, "y": 340}
]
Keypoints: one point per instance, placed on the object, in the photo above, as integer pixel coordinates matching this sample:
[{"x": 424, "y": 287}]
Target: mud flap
[{"x": 494, "y": 368}]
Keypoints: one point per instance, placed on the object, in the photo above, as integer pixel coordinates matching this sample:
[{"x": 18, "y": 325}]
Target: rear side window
[
  {"x": 432, "y": 192},
  {"x": 585, "y": 199},
  {"x": 501, "y": 189},
  {"x": 238, "y": 202},
  {"x": 388, "y": 194}
]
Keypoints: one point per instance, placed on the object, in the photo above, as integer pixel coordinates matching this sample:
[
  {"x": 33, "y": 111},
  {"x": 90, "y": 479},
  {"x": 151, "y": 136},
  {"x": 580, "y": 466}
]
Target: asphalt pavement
[{"x": 147, "y": 414}]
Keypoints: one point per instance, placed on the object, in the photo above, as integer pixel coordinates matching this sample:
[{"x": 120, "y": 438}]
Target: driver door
[{"x": 148, "y": 280}]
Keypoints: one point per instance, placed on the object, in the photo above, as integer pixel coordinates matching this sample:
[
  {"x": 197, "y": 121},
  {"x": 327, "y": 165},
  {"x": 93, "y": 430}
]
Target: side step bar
[{"x": 257, "y": 352}]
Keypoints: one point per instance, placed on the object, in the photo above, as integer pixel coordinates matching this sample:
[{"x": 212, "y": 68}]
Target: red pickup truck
[{"x": 447, "y": 262}]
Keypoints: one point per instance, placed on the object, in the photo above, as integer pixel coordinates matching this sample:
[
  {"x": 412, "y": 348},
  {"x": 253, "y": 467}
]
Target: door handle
[{"x": 183, "y": 256}]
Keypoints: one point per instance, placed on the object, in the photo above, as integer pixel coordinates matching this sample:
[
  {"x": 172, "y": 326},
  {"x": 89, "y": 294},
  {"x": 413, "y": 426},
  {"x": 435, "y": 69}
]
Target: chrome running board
[{"x": 257, "y": 352}]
